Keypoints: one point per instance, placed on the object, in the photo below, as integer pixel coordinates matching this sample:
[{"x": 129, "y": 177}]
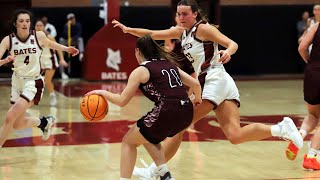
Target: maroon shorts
[
  {"x": 168, "y": 118},
  {"x": 311, "y": 83}
]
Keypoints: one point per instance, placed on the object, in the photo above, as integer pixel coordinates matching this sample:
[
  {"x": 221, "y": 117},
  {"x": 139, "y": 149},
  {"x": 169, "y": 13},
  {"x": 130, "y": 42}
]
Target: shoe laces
[{"x": 283, "y": 133}]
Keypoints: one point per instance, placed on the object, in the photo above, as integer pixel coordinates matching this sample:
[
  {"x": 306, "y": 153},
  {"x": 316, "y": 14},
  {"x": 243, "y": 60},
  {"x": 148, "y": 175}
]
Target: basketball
[{"x": 93, "y": 107}]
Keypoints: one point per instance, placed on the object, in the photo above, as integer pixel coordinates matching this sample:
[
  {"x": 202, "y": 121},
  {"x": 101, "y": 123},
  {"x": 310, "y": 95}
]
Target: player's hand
[
  {"x": 197, "y": 101},
  {"x": 63, "y": 63},
  {"x": 120, "y": 25},
  {"x": 98, "y": 92},
  {"x": 9, "y": 59},
  {"x": 225, "y": 56},
  {"x": 73, "y": 51}
]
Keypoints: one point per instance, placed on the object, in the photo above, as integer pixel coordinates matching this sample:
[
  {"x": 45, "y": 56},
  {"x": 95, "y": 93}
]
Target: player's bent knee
[{"x": 234, "y": 138}]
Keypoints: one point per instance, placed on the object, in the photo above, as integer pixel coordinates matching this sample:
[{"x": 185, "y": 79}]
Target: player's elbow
[
  {"x": 302, "y": 48},
  {"x": 235, "y": 45},
  {"x": 122, "y": 102}
]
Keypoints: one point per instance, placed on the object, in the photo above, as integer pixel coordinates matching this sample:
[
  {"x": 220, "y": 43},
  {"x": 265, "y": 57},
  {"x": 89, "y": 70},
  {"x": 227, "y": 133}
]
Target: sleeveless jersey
[
  {"x": 202, "y": 54},
  {"x": 312, "y": 22},
  {"x": 164, "y": 82},
  {"x": 28, "y": 52},
  {"x": 182, "y": 60},
  {"x": 315, "y": 52}
]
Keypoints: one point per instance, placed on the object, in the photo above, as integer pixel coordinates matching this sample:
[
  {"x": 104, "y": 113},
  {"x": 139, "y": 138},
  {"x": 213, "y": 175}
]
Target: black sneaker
[{"x": 47, "y": 129}]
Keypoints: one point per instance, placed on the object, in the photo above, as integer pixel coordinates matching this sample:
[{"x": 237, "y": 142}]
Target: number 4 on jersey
[{"x": 26, "y": 61}]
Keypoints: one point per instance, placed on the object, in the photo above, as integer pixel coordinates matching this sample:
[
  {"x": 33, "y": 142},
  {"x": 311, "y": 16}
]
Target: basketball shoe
[
  {"x": 310, "y": 163},
  {"x": 47, "y": 129},
  {"x": 289, "y": 131},
  {"x": 291, "y": 151},
  {"x": 146, "y": 173},
  {"x": 167, "y": 176}
]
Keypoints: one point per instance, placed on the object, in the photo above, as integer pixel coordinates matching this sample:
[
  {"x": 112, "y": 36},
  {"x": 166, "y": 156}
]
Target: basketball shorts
[
  {"x": 311, "y": 83},
  {"x": 166, "y": 120},
  {"x": 218, "y": 86},
  {"x": 49, "y": 63},
  {"x": 31, "y": 89}
]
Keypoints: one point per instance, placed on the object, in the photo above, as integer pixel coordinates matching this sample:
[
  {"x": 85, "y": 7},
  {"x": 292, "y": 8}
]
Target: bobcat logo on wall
[{"x": 113, "y": 59}]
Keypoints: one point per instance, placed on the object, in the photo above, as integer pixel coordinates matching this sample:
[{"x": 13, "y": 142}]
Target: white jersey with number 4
[{"x": 27, "y": 55}]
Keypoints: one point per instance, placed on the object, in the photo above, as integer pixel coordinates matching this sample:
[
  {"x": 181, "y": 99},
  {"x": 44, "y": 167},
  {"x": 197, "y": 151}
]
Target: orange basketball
[{"x": 93, "y": 107}]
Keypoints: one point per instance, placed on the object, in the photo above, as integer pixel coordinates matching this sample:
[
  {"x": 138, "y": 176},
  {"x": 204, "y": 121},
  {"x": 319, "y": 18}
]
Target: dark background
[{"x": 266, "y": 35}]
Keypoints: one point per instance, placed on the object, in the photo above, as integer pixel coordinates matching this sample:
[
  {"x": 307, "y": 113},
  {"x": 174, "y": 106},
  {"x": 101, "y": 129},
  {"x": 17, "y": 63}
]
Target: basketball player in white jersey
[
  {"x": 200, "y": 43},
  {"x": 25, "y": 48},
  {"x": 49, "y": 63}
]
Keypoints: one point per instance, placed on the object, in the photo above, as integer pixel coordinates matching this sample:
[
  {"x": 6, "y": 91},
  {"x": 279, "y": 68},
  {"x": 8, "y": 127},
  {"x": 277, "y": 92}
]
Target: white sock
[
  {"x": 53, "y": 94},
  {"x": 275, "y": 130},
  {"x": 312, "y": 153},
  {"x": 124, "y": 178},
  {"x": 303, "y": 133},
  {"x": 163, "y": 169},
  {"x": 154, "y": 168}
]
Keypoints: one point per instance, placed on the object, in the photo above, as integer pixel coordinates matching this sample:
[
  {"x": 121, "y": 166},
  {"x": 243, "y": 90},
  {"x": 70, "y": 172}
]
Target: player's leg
[
  {"x": 17, "y": 109},
  {"x": 229, "y": 120},
  {"x": 309, "y": 123},
  {"x": 310, "y": 161},
  {"x": 49, "y": 73},
  {"x": 130, "y": 142},
  {"x": 157, "y": 153},
  {"x": 171, "y": 145},
  {"x": 32, "y": 92}
]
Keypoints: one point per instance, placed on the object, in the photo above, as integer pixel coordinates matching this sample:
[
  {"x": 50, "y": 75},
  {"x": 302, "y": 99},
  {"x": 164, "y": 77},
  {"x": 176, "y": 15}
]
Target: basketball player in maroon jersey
[
  {"x": 311, "y": 90},
  {"x": 311, "y": 121},
  {"x": 162, "y": 82},
  {"x": 25, "y": 48},
  {"x": 200, "y": 43}
]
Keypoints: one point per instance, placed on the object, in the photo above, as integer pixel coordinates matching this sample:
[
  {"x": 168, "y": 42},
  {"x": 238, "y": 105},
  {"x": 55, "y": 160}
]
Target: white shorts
[
  {"x": 31, "y": 89},
  {"x": 49, "y": 63},
  {"x": 219, "y": 86}
]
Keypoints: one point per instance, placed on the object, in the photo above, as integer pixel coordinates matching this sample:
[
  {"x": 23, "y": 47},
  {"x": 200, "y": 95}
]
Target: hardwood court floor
[{"x": 84, "y": 150}]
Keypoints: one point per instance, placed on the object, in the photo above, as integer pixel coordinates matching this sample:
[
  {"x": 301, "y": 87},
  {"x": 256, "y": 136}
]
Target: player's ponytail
[{"x": 151, "y": 50}]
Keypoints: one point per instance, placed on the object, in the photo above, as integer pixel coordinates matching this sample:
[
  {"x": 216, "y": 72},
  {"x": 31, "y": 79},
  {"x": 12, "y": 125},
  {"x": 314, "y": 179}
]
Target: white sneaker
[
  {"x": 53, "y": 100},
  {"x": 145, "y": 173},
  {"x": 47, "y": 130},
  {"x": 289, "y": 131},
  {"x": 64, "y": 75}
]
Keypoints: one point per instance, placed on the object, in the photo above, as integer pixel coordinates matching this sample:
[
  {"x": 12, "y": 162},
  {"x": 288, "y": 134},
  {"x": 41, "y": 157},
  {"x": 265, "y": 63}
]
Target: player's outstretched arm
[
  {"x": 59, "y": 52},
  {"x": 44, "y": 41},
  {"x": 139, "y": 75},
  {"x": 172, "y": 33}
]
